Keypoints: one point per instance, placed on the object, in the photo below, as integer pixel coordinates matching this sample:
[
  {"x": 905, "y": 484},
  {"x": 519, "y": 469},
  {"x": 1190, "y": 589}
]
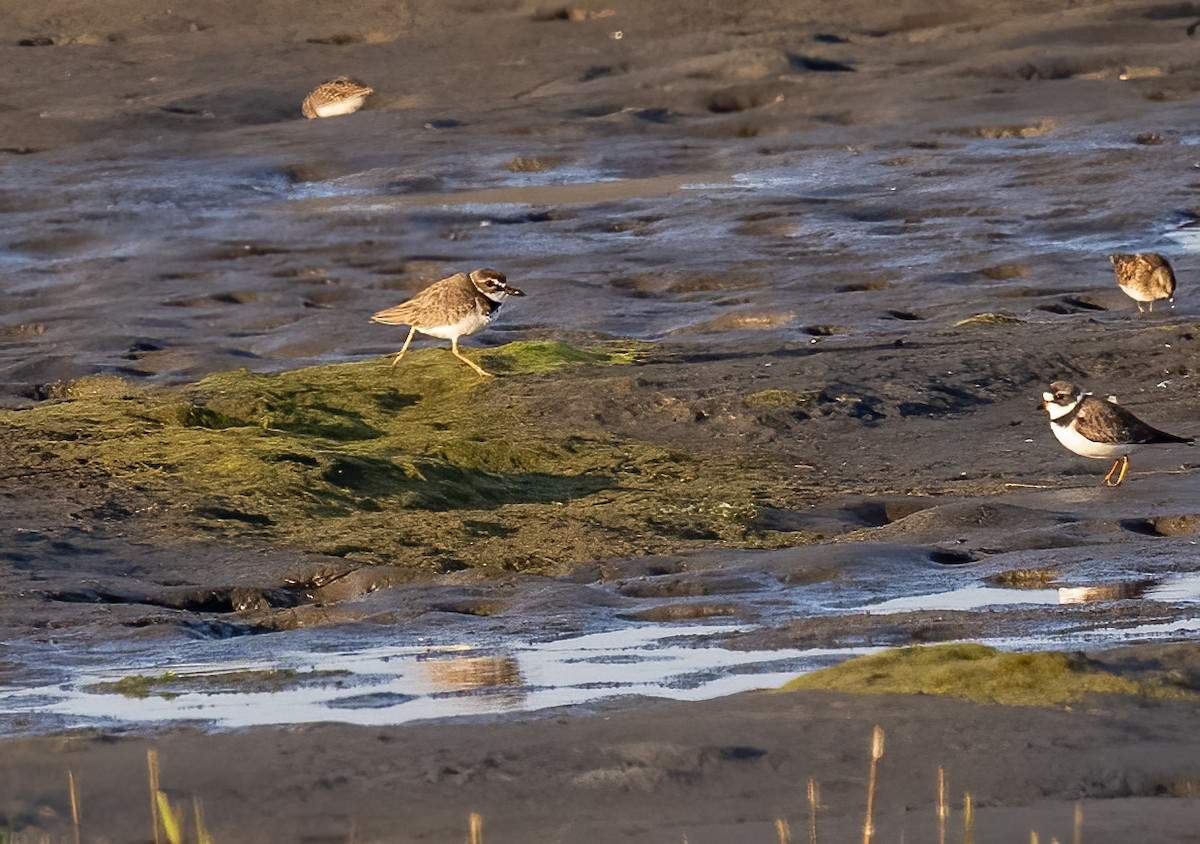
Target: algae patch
[
  {"x": 547, "y": 356},
  {"x": 170, "y": 685},
  {"x": 400, "y": 465},
  {"x": 779, "y": 398},
  {"x": 989, "y": 319},
  {"x": 972, "y": 671}
]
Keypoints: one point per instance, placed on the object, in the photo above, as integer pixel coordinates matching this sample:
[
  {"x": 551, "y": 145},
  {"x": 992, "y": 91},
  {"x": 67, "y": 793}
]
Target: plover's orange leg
[
  {"x": 467, "y": 361},
  {"x": 1123, "y": 462},
  {"x": 404, "y": 348},
  {"x": 1108, "y": 477}
]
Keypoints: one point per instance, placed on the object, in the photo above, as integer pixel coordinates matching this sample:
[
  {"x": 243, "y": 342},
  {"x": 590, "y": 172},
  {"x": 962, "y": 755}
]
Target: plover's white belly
[
  {"x": 1084, "y": 447},
  {"x": 1141, "y": 294},
  {"x": 467, "y": 325},
  {"x": 338, "y": 107}
]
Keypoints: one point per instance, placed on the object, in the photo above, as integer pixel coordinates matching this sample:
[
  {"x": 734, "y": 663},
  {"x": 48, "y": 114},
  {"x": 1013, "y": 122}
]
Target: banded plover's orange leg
[
  {"x": 464, "y": 359},
  {"x": 1123, "y": 462}
]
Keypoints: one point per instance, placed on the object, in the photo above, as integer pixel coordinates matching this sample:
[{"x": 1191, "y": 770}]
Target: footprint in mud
[
  {"x": 818, "y": 65},
  {"x": 1164, "y": 525},
  {"x": 339, "y": 39},
  {"x": 862, "y": 286},
  {"x": 1005, "y": 272},
  {"x": 242, "y": 297},
  {"x": 142, "y": 346},
  {"x": 827, "y": 330},
  {"x": 951, "y": 557},
  {"x": 742, "y": 98},
  {"x": 1072, "y": 305},
  {"x": 328, "y": 297}
]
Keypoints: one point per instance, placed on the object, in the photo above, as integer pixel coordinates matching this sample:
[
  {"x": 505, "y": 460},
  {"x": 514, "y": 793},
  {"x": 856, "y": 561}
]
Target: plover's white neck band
[{"x": 1064, "y": 413}]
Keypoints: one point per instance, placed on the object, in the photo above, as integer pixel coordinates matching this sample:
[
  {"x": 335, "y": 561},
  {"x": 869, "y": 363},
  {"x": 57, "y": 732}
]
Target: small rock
[{"x": 1174, "y": 525}]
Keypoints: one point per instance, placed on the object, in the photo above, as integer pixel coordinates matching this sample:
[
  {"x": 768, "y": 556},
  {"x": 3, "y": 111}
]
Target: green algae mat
[
  {"x": 979, "y": 673},
  {"x": 425, "y": 465}
]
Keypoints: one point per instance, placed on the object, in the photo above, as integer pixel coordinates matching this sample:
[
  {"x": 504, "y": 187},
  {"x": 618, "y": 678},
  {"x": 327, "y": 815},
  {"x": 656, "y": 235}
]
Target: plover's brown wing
[
  {"x": 1162, "y": 279},
  {"x": 441, "y": 303},
  {"x": 1105, "y": 422}
]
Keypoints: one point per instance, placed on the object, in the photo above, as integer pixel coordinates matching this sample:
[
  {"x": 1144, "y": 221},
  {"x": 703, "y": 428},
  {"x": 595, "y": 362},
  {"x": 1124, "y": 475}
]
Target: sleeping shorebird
[
  {"x": 337, "y": 96},
  {"x": 1099, "y": 428},
  {"x": 450, "y": 308},
  {"x": 1146, "y": 277}
]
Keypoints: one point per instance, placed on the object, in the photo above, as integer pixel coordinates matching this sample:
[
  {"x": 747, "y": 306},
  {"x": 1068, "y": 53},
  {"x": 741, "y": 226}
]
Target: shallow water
[
  {"x": 221, "y": 262},
  {"x": 378, "y": 683},
  {"x": 370, "y": 676}
]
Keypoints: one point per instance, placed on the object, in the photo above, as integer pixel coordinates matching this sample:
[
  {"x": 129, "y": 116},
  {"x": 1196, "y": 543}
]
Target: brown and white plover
[
  {"x": 337, "y": 96},
  {"x": 451, "y": 308},
  {"x": 1099, "y": 428},
  {"x": 1146, "y": 277}
]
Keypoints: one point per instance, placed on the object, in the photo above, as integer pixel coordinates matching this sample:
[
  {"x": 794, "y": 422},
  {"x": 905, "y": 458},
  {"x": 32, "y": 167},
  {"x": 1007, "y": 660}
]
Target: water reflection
[
  {"x": 369, "y": 684},
  {"x": 1105, "y": 592},
  {"x": 495, "y": 680},
  {"x": 1183, "y": 588},
  {"x": 367, "y": 678}
]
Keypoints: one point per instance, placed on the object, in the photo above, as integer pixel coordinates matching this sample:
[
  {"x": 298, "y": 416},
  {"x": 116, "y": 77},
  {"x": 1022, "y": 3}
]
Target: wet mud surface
[{"x": 796, "y": 276}]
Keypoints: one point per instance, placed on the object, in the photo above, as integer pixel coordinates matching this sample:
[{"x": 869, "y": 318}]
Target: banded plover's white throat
[{"x": 1100, "y": 428}]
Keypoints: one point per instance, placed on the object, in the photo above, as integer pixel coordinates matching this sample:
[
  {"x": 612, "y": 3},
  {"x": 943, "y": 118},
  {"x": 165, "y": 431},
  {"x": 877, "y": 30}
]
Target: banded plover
[
  {"x": 1099, "y": 428},
  {"x": 451, "y": 308}
]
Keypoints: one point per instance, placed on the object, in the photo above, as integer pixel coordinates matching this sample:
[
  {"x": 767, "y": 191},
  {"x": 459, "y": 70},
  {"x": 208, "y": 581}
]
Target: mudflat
[{"x": 797, "y": 275}]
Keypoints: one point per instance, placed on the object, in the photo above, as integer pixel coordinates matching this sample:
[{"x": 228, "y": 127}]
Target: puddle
[
  {"x": 378, "y": 685},
  {"x": 566, "y": 175},
  {"x": 1183, "y": 589},
  {"x": 541, "y": 193},
  {"x": 351, "y": 677},
  {"x": 967, "y": 598},
  {"x": 365, "y": 676},
  {"x": 1187, "y": 237},
  {"x": 1179, "y": 589}
]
